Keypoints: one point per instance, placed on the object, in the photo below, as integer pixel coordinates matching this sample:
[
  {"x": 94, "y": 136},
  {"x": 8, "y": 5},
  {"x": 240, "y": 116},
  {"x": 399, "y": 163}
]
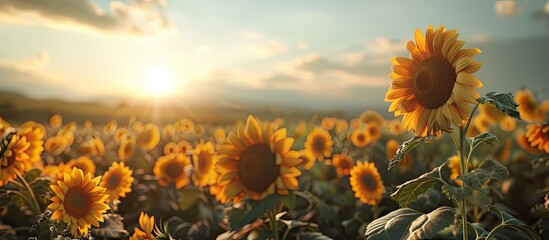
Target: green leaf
[
  {"x": 189, "y": 197},
  {"x": 480, "y": 232},
  {"x": 487, "y": 138},
  {"x": 488, "y": 169},
  {"x": 32, "y": 174},
  {"x": 240, "y": 217},
  {"x": 508, "y": 221},
  {"x": 503, "y": 101},
  {"x": 406, "y": 223},
  {"x": 457, "y": 193},
  {"x": 410, "y": 190},
  {"x": 289, "y": 200},
  {"x": 312, "y": 236},
  {"x": 405, "y": 147}
]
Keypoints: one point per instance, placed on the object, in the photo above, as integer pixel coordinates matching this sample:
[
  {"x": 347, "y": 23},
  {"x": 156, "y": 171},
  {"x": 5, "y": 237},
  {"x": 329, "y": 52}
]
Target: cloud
[
  {"x": 506, "y": 8},
  {"x": 261, "y": 46},
  {"x": 302, "y": 45},
  {"x": 385, "y": 46},
  {"x": 139, "y": 17}
]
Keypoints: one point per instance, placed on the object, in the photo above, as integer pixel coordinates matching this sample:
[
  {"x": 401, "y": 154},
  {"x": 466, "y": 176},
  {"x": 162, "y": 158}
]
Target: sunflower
[
  {"x": 137, "y": 126},
  {"x": 56, "y": 120},
  {"x": 15, "y": 159},
  {"x": 127, "y": 148},
  {"x": 491, "y": 112},
  {"x": 482, "y": 122},
  {"x": 68, "y": 135},
  {"x": 88, "y": 124},
  {"x": 149, "y": 137},
  {"x": 341, "y": 125},
  {"x": 83, "y": 163},
  {"x": 146, "y": 223},
  {"x": 371, "y": 116},
  {"x": 391, "y": 149},
  {"x": 360, "y": 138},
  {"x": 117, "y": 180},
  {"x": 366, "y": 183},
  {"x": 300, "y": 129},
  {"x": 455, "y": 168},
  {"x": 198, "y": 129},
  {"x": 528, "y": 106},
  {"x": 55, "y": 145},
  {"x": 184, "y": 147},
  {"x": 437, "y": 86},
  {"x": 171, "y": 168},
  {"x": 538, "y": 136},
  {"x": 169, "y": 130},
  {"x": 522, "y": 141},
  {"x": 78, "y": 201},
  {"x": 256, "y": 161},
  {"x": 120, "y": 134},
  {"x": 544, "y": 106},
  {"x": 110, "y": 127},
  {"x": 374, "y": 131},
  {"x": 319, "y": 142},
  {"x": 185, "y": 125},
  {"x": 219, "y": 135},
  {"x": 508, "y": 124},
  {"x": 307, "y": 158},
  {"x": 204, "y": 158},
  {"x": 34, "y": 133},
  {"x": 171, "y": 147},
  {"x": 395, "y": 127},
  {"x": 92, "y": 146},
  {"x": 343, "y": 164},
  {"x": 328, "y": 123},
  {"x": 355, "y": 123}
]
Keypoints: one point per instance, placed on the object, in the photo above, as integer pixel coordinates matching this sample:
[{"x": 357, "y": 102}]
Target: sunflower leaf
[
  {"x": 405, "y": 147},
  {"x": 503, "y": 101},
  {"x": 480, "y": 232},
  {"x": 508, "y": 221},
  {"x": 189, "y": 197},
  {"x": 488, "y": 169},
  {"x": 457, "y": 193},
  {"x": 32, "y": 174},
  {"x": 406, "y": 223},
  {"x": 410, "y": 190},
  {"x": 240, "y": 217},
  {"x": 487, "y": 138}
]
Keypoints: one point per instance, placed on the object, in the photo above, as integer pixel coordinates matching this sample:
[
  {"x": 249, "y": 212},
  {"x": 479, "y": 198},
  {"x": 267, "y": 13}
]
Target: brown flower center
[
  {"x": 319, "y": 143},
  {"x": 77, "y": 203},
  {"x": 173, "y": 169},
  {"x": 257, "y": 167},
  {"x": 368, "y": 181},
  {"x": 360, "y": 137},
  {"x": 204, "y": 162},
  {"x": 433, "y": 82},
  {"x": 113, "y": 181}
]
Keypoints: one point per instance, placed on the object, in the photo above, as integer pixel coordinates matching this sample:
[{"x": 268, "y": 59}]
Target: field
[{"x": 164, "y": 178}]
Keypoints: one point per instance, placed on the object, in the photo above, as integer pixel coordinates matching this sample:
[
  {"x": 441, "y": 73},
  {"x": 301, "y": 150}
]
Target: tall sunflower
[
  {"x": 83, "y": 163},
  {"x": 319, "y": 142},
  {"x": 55, "y": 145},
  {"x": 436, "y": 87},
  {"x": 256, "y": 161},
  {"x": 117, "y": 180},
  {"x": 78, "y": 201},
  {"x": 528, "y": 106},
  {"x": 171, "y": 168},
  {"x": 15, "y": 160},
  {"x": 127, "y": 148},
  {"x": 455, "y": 168},
  {"x": 149, "y": 137},
  {"x": 360, "y": 137},
  {"x": 343, "y": 164},
  {"x": 204, "y": 158},
  {"x": 538, "y": 136},
  {"x": 366, "y": 183}
]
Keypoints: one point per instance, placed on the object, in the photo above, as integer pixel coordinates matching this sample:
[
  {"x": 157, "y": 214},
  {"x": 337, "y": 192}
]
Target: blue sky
[{"x": 317, "y": 54}]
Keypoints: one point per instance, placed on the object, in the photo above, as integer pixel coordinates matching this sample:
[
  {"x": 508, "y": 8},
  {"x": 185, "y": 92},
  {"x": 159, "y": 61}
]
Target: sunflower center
[
  {"x": 319, "y": 144},
  {"x": 368, "y": 181},
  {"x": 204, "y": 162},
  {"x": 77, "y": 204},
  {"x": 433, "y": 82},
  {"x": 173, "y": 170},
  {"x": 113, "y": 181},
  {"x": 361, "y": 137},
  {"x": 257, "y": 167}
]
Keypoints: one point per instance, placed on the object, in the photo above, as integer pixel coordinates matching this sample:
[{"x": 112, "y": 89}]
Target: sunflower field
[{"x": 455, "y": 162}]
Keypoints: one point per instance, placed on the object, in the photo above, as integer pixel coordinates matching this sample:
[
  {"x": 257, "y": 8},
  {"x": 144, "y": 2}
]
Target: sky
[{"x": 314, "y": 54}]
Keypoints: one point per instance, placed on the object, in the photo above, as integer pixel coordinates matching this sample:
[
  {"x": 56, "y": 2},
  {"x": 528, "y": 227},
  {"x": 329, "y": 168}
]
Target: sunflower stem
[
  {"x": 274, "y": 222},
  {"x": 463, "y": 165},
  {"x": 31, "y": 192}
]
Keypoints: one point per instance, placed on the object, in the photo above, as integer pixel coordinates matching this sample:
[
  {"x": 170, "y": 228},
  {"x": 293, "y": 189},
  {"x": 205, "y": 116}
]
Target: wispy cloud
[
  {"x": 137, "y": 18},
  {"x": 262, "y": 46},
  {"x": 506, "y": 8}
]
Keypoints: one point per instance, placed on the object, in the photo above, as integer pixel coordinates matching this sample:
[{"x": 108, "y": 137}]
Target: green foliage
[
  {"x": 488, "y": 169},
  {"x": 480, "y": 232},
  {"x": 406, "y": 147},
  {"x": 240, "y": 217},
  {"x": 189, "y": 197},
  {"x": 457, "y": 193},
  {"x": 410, "y": 190},
  {"x": 508, "y": 221},
  {"x": 503, "y": 101},
  {"x": 406, "y": 223},
  {"x": 486, "y": 137}
]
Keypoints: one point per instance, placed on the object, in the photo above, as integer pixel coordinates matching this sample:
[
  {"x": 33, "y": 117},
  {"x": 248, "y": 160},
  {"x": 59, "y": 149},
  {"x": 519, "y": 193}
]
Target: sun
[{"x": 159, "y": 82}]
